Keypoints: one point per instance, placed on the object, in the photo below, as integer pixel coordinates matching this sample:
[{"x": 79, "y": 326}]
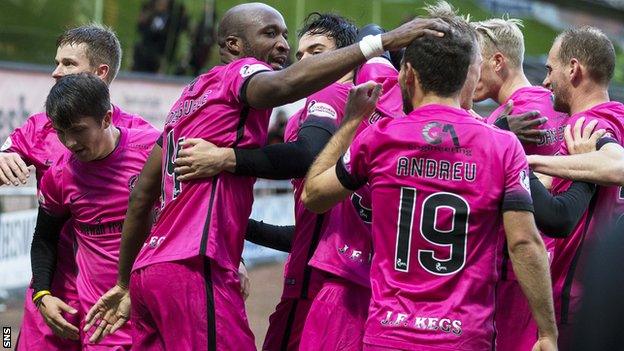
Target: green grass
[{"x": 28, "y": 28}]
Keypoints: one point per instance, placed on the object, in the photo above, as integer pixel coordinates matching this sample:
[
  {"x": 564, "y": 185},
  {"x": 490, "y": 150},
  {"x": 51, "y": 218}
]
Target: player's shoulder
[
  {"x": 126, "y": 119},
  {"x": 246, "y": 66},
  {"x": 141, "y": 138},
  {"x": 38, "y": 120}
]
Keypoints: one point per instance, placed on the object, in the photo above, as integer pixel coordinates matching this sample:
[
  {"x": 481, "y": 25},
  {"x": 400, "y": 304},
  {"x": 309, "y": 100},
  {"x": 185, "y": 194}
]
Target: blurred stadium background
[{"x": 177, "y": 36}]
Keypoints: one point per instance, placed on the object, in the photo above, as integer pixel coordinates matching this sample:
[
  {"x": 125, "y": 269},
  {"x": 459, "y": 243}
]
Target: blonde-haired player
[{"x": 503, "y": 80}]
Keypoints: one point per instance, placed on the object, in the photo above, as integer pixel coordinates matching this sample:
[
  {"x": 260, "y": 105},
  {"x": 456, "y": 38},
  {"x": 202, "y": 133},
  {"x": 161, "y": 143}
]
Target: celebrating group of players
[{"x": 417, "y": 222}]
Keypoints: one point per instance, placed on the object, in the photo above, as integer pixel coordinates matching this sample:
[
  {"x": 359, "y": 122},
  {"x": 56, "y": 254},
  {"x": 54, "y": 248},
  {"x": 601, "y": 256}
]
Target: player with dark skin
[{"x": 248, "y": 30}]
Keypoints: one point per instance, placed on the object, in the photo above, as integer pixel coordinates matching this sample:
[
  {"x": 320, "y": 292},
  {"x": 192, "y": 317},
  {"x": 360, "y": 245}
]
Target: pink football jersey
[
  {"x": 208, "y": 216},
  {"x": 345, "y": 248},
  {"x": 606, "y": 207},
  {"x": 299, "y": 279},
  {"x": 94, "y": 195},
  {"x": 438, "y": 193},
  {"x": 38, "y": 145},
  {"x": 536, "y": 98}
]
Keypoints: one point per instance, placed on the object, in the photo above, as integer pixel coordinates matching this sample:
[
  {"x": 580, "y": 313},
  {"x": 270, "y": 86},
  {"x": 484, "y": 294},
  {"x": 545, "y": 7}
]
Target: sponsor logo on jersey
[
  {"x": 433, "y": 133},
  {"x": 444, "y": 324},
  {"x": 321, "y": 109},
  {"x": 7, "y": 144},
  {"x": 248, "y": 70}
]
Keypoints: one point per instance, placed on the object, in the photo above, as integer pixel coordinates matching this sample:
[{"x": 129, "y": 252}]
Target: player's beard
[
  {"x": 407, "y": 100},
  {"x": 561, "y": 100}
]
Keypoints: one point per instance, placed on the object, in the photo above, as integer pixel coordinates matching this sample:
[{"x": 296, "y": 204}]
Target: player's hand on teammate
[
  {"x": 243, "y": 275},
  {"x": 402, "y": 36},
  {"x": 13, "y": 170},
  {"x": 525, "y": 125},
  {"x": 580, "y": 140},
  {"x": 201, "y": 159},
  {"x": 51, "y": 308},
  {"x": 362, "y": 101},
  {"x": 109, "y": 313}
]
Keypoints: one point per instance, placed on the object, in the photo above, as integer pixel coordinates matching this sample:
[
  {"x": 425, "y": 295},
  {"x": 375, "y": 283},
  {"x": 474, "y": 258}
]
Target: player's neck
[
  {"x": 515, "y": 81},
  {"x": 346, "y": 78},
  {"x": 431, "y": 99},
  {"x": 584, "y": 99},
  {"x": 111, "y": 141}
]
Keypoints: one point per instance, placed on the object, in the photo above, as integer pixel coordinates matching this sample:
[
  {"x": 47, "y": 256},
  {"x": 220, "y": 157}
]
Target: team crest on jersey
[
  {"x": 248, "y": 70},
  {"x": 7, "y": 144},
  {"x": 524, "y": 181},
  {"x": 321, "y": 109}
]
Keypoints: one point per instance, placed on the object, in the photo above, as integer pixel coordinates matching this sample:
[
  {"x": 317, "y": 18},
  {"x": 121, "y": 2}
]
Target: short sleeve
[
  {"x": 375, "y": 69},
  {"x": 22, "y": 140},
  {"x": 240, "y": 73},
  {"x": 51, "y": 193},
  {"x": 517, "y": 193},
  {"x": 353, "y": 167},
  {"x": 328, "y": 104}
]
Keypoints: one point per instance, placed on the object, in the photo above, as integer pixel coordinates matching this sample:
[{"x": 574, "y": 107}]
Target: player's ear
[
  {"x": 575, "y": 72},
  {"x": 107, "y": 120},
  {"x": 102, "y": 71},
  {"x": 234, "y": 45},
  {"x": 498, "y": 60}
]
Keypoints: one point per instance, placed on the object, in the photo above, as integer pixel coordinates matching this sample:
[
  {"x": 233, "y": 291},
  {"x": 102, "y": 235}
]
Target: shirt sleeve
[
  {"x": 517, "y": 181},
  {"x": 374, "y": 69},
  {"x": 327, "y": 104},
  {"x": 51, "y": 193},
  {"x": 22, "y": 140},
  {"x": 353, "y": 167},
  {"x": 241, "y": 72}
]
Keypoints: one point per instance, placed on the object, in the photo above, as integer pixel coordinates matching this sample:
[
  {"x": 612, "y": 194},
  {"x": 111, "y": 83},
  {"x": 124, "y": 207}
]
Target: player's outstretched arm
[
  {"x": 601, "y": 163},
  {"x": 557, "y": 215},
  {"x": 270, "y": 89},
  {"x": 530, "y": 264},
  {"x": 323, "y": 189},
  {"x": 43, "y": 255},
  {"x": 112, "y": 310},
  {"x": 201, "y": 159},
  {"x": 277, "y": 237}
]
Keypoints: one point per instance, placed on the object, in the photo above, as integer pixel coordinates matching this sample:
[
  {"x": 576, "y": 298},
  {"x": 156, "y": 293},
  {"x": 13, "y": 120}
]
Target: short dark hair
[
  {"x": 442, "y": 62},
  {"x": 592, "y": 48},
  {"x": 102, "y": 46},
  {"x": 342, "y": 30},
  {"x": 75, "y": 96}
]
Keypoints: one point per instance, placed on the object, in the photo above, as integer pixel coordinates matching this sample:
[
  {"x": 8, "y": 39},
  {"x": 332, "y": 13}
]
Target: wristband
[
  {"x": 37, "y": 297},
  {"x": 371, "y": 46}
]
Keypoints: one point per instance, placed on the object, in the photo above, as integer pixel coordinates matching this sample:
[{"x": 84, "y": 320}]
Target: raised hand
[
  {"x": 581, "y": 140},
  {"x": 524, "y": 125},
  {"x": 402, "y": 36},
  {"x": 362, "y": 101}
]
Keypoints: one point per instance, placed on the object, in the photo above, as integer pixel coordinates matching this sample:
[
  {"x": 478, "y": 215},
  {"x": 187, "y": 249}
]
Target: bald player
[
  {"x": 94, "y": 49},
  {"x": 196, "y": 243},
  {"x": 580, "y": 67}
]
